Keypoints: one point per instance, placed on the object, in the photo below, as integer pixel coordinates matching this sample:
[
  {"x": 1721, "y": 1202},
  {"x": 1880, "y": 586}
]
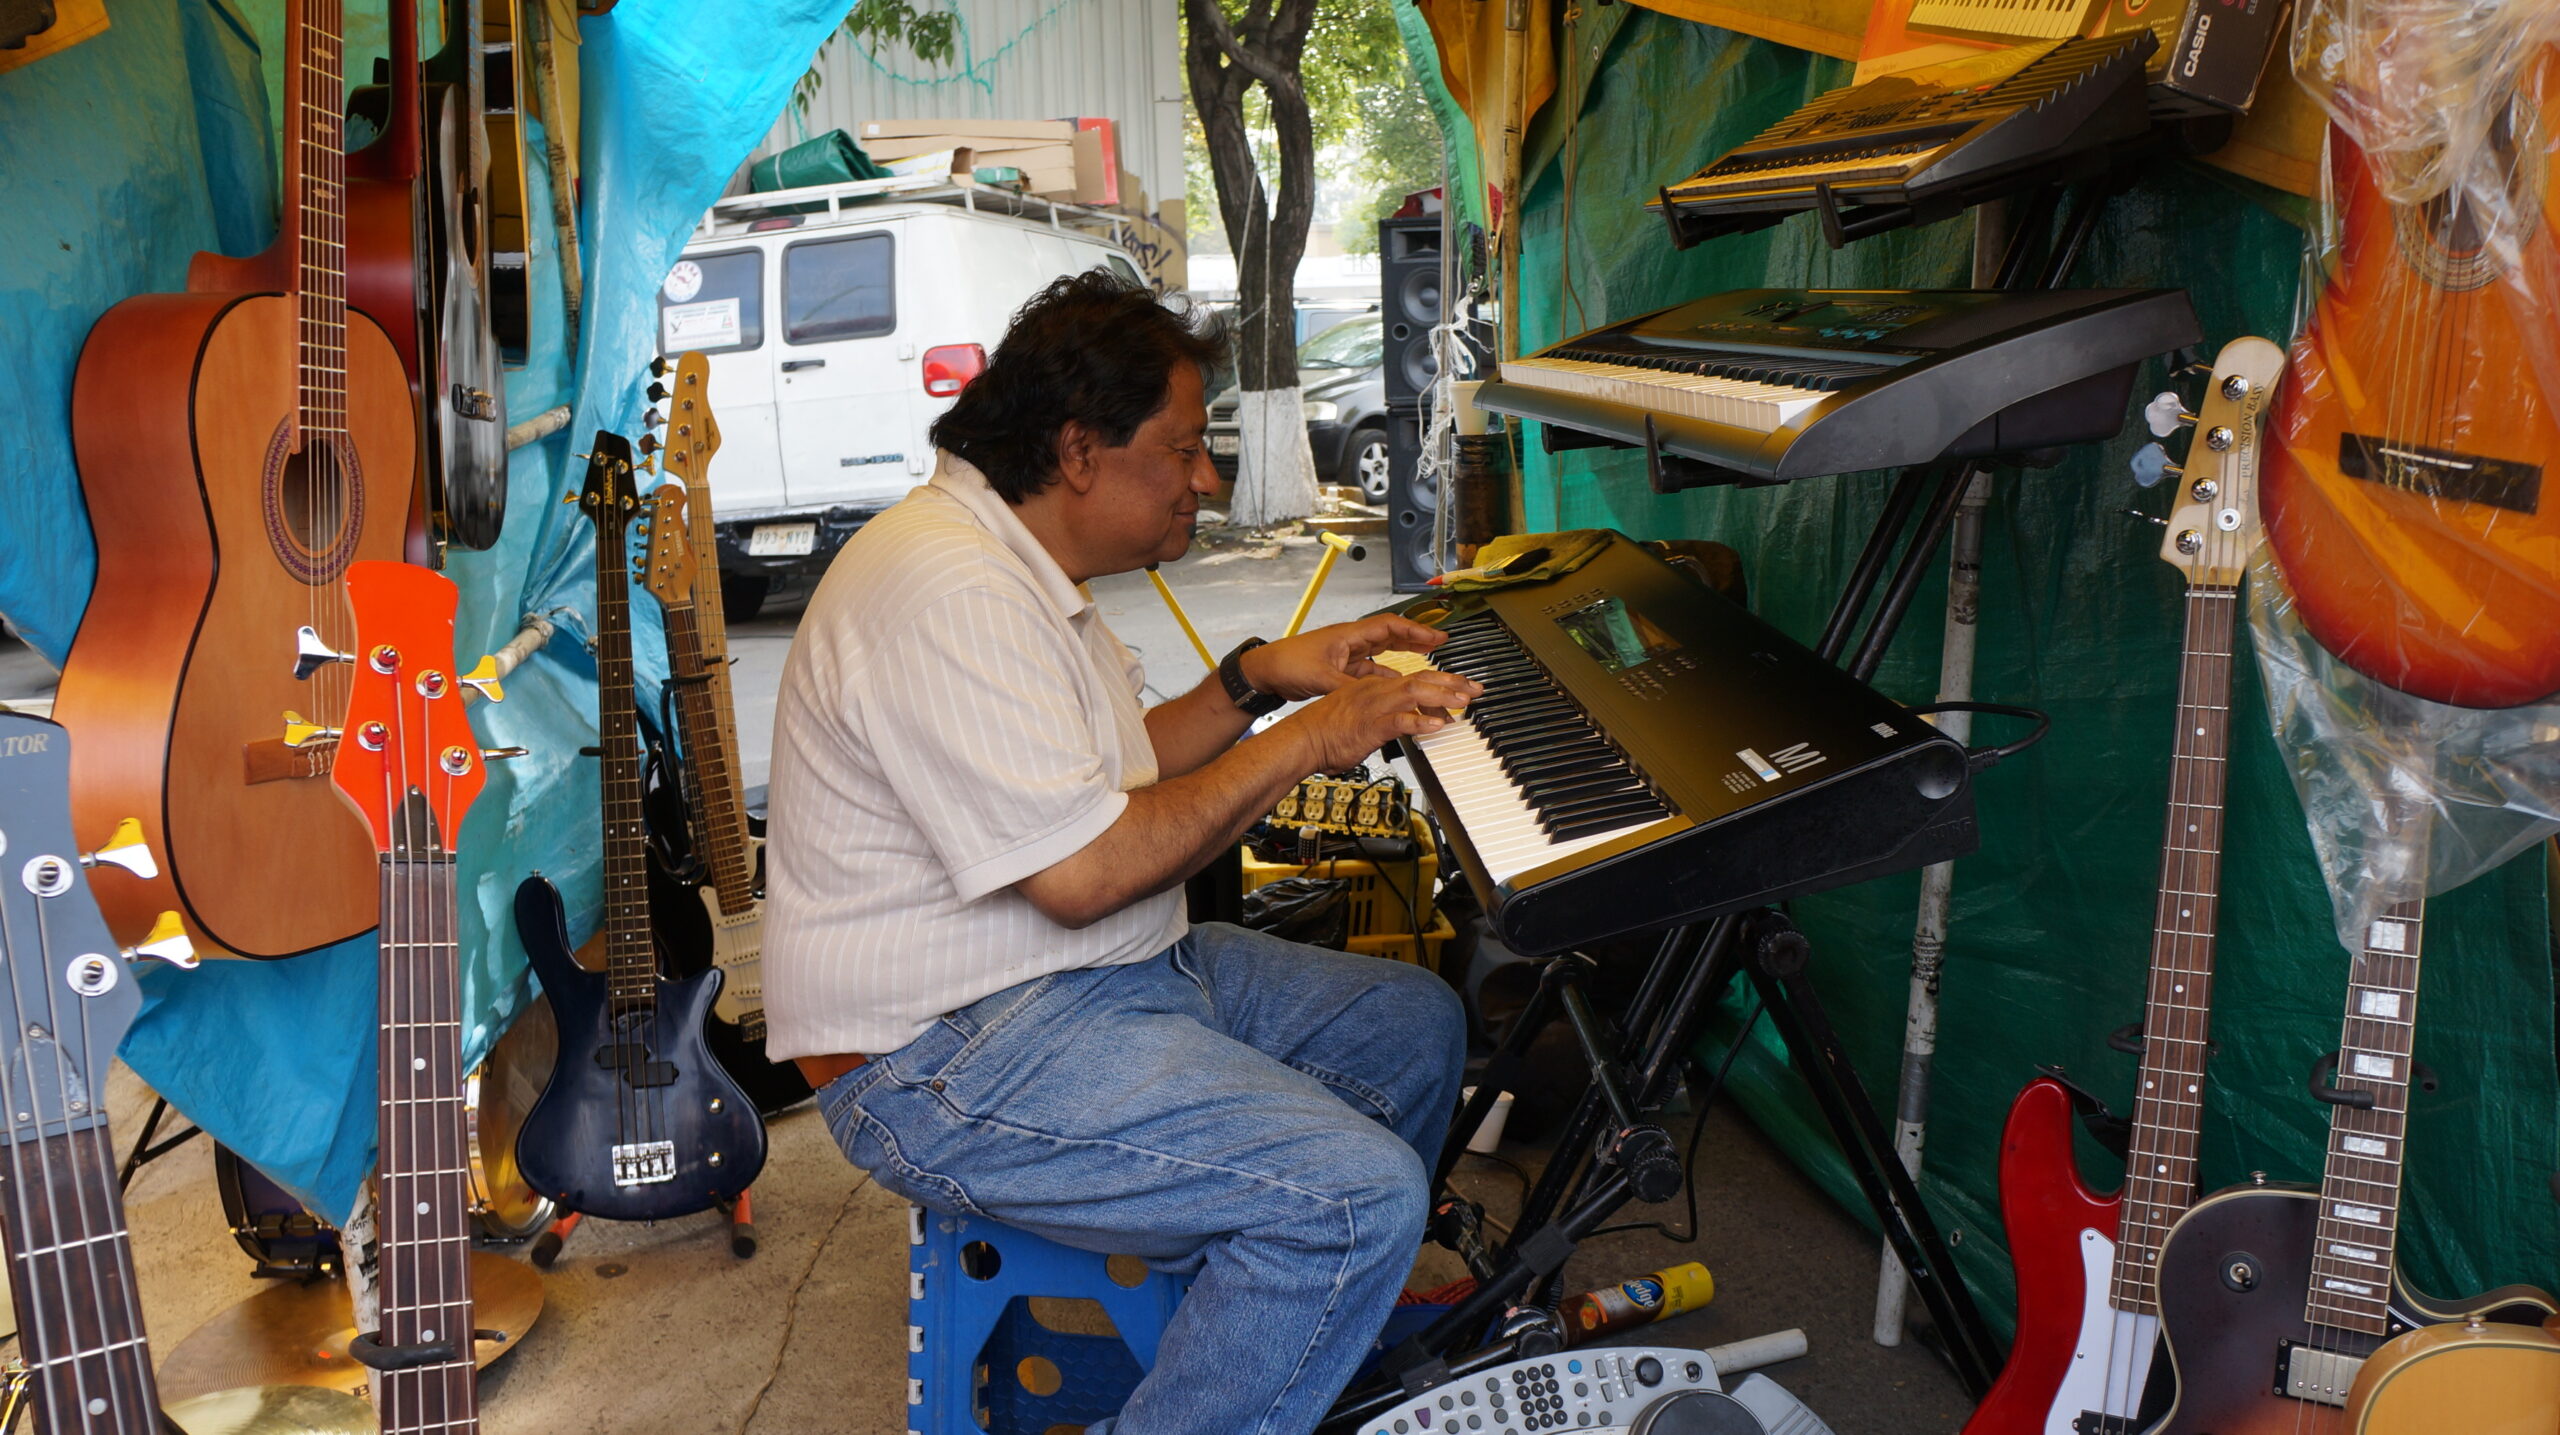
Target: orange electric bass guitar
[
  {"x": 238, "y": 450},
  {"x": 2406, "y": 492}
]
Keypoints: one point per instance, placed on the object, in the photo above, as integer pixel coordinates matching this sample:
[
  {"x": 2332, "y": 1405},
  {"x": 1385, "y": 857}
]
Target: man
[{"x": 975, "y": 940}]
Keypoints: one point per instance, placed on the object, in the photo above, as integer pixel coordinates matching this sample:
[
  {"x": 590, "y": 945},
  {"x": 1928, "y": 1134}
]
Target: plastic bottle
[{"x": 1641, "y": 1301}]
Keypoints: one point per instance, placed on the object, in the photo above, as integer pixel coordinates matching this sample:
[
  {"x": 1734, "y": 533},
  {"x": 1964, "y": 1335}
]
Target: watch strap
[{"x": 1249, "y": 700}]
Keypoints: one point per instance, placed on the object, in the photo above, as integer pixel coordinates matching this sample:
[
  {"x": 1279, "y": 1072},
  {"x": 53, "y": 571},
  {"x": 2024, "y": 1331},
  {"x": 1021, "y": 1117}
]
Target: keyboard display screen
[{"x": 1615, "y": 635}]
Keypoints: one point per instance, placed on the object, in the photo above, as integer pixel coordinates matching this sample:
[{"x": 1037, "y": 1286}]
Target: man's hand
[
  {"x": 1315, "y": 663},
  {"x": 1345, "y": 726}
]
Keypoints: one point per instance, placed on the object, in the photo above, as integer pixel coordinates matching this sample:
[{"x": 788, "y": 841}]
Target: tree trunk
[{"x": 1275, "y": 471}]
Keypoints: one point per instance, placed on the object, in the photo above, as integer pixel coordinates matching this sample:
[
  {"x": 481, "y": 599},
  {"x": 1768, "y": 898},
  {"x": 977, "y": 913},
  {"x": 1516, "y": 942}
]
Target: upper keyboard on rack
[
  {"x": 1925, "y": 143},
  {"x": 1773, "y": 384},
  {"x": 1648, "y": 752}
]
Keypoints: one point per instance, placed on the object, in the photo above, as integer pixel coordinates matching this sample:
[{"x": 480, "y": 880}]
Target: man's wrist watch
[{"x": 1249, "y": 700}]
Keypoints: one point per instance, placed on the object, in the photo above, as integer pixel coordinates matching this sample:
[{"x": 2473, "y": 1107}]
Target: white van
[{"x": 840, "y": 320}]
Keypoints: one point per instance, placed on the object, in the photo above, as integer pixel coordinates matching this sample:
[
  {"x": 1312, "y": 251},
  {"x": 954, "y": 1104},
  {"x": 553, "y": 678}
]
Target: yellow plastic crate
[
  {"x": 1405, "y": 947},
  {"x": 1377, "y": 898}
]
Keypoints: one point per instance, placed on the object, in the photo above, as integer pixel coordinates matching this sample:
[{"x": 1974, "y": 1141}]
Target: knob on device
[{"x": 1698, "y": 1412}]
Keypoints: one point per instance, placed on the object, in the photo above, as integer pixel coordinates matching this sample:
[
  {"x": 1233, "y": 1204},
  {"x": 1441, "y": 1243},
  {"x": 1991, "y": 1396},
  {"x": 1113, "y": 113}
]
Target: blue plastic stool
[{"x": 972, "y": 1336}]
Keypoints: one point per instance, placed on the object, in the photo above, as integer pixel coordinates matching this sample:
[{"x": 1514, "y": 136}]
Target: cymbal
[
  {"x": 276, "y": 1410},
  {"x": 298, "y": 1334}
]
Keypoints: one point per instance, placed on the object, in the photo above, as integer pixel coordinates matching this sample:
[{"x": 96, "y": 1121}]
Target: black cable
[{"x": 1704, "y": 1099}]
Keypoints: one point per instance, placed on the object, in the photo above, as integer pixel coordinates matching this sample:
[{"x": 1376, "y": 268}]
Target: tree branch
[{"x": 1207, "y": 16}]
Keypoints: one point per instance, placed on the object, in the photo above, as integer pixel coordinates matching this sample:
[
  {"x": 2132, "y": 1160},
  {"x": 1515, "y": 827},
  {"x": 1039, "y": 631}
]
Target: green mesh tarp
[{"x": 2051, "y": 923}]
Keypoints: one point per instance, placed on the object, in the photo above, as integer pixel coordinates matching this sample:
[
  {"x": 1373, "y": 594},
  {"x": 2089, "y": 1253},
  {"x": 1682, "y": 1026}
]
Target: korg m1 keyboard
[
  {"x": 1647, "y": 752},
  {"x": 1766, "y": 385},
  {"x": 1917, "y": 146}
]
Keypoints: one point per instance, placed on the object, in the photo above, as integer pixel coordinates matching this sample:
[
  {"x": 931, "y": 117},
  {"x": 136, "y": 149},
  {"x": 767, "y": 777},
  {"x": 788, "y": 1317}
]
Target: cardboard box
[
  {"x": 1022, "y": 131},
  {"x": 889, "y": 149},
  {"x": 1109, "y": 137},
  {"x": 1096, "y": 181}
]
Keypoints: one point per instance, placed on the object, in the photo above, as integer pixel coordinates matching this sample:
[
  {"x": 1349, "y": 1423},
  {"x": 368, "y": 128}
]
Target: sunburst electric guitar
[{"x": 2086, "y": 1358}]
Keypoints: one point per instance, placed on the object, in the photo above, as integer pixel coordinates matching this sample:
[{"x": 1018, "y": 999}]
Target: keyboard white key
[
  {"x": 1742, "y": 403},
  {"x": 1497, "y": 821}
]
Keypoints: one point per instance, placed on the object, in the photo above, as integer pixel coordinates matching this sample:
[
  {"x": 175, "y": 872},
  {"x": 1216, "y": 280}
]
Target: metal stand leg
[{"x": 144, "y": 1152}]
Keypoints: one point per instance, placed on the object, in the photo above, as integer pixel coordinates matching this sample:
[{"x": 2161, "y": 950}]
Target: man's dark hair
[{"x": 1094, "y": 348}]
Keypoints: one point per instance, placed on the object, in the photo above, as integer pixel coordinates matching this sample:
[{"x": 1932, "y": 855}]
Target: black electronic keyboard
[
  {"x": 1647, "y": 752},
  {"x": 1918, "y": 146},
  {"x": 1765, "y": 385}
]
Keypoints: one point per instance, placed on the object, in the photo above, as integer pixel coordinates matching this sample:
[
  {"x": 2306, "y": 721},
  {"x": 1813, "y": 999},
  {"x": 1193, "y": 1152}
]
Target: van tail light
[{"x": 948, "y": 369}]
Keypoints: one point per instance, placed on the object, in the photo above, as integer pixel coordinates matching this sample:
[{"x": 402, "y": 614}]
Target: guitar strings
[
  {"x": 32, "y": 1292},
  {"x": 95, "y": 1154}
]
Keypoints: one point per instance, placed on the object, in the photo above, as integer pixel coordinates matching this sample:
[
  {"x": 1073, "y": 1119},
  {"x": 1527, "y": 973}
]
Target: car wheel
[
  {"x": 1364, "y": 463},
  {"x": 742, "y": 597}
]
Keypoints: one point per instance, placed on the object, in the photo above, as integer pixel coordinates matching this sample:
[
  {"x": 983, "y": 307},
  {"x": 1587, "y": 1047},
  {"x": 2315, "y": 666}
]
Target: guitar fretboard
[
  {"x": 2360, "y": 1190},
  {"x": 316, "y": 171},
  {"x": 631, "y": 962},
  {"x": 2160, "y": 1169},
  {"x": 425, "y": 1222},
  {"x": 71, "y": 1283},
  {"x": 703, "y": 706}
]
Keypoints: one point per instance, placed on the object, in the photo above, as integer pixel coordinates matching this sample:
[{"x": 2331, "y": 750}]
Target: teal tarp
[
  {"x": 136, "y": 149},
  {"x": 2052, "y": 918}
]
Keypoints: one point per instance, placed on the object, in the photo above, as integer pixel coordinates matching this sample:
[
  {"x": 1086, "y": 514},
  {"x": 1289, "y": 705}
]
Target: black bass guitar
[{"x": 638, "y": 1121}]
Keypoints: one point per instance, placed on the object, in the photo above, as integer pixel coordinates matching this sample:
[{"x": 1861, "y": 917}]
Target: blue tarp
[{"x": 131, "y": 152}]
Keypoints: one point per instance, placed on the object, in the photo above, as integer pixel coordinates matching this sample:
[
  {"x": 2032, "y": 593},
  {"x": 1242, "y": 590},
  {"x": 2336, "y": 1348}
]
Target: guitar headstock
[
  {"x": 693, "y": 436},
  {"x": 2214, "y": 526},
  {"x": 406, "y": 755},
  {"x": 668, "y": 569},
  {"x": 65, "y": 994},
  {"x": 609, "y": 496}
]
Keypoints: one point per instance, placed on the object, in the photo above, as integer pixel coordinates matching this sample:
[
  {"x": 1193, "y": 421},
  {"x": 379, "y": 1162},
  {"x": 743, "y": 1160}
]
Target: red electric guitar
[
  {"x": 2086, "y": 1358},
  {"x": 2405, "y": 494}
]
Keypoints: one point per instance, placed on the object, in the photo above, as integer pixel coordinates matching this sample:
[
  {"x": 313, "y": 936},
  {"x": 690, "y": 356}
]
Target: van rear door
[
  {"x": 842, "y": 387},
  {"x": 715, "y": 302}
]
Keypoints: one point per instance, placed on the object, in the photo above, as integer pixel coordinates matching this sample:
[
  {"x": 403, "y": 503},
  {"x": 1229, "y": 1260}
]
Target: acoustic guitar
[
  {"x": 683, "y": 573},
  {"x": 2406, "y": 499},
  {"x": 637, "y": 1122},
  {"x": 2086, "y": 1357},
  {"x": 238, "y": 452},
  {"x": 66, "y": 999},
  {"x": 2273, "y": 1299},
  {"x": 408, "y": 764},
  {"x": 2475, "y": 1377}
]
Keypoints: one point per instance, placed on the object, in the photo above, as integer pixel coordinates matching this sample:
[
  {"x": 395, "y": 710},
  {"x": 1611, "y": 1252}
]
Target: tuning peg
[
  {"x": 2166, "y": 414},
  {"x": 658, "y": 365},
  {"x": 167, "y": 942},
  {"x": 657, "y": 393},
  {"x": 125, "y": 849},
  {"x": 2151, "y": 464},
  {"x": 648, "y": 444},
  {"x": 2145, "y": 517},
  {"x": 501, "y": 754},
  {"x": 484, "y": 681},
  {"x": 310, "y": 654},
  {"x": 300, "y": 731},
  {"x": 653, "y": 419}
]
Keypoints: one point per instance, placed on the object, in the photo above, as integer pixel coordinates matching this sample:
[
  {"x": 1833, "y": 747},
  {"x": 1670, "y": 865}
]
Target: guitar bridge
[
  {"x": 2319, "y": 1376},
  {"x": 2090, "y": 1422},
  {"x": 644, "y": 1163}
]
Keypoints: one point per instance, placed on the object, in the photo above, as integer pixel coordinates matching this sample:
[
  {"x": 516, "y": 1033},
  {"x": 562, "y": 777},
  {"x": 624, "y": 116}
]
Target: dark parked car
[{"x": 1345, "y": 393}]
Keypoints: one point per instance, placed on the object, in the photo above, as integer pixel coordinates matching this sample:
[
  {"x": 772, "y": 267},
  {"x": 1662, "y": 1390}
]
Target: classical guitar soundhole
[{"x": 314, "y": 503}]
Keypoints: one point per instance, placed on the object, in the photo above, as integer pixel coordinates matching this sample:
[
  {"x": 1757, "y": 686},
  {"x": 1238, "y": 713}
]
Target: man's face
[{"x": 1147, "y": 498}]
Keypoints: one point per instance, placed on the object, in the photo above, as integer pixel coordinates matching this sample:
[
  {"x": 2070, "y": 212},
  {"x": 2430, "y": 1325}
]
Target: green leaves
[{"x": 932, "y": 35}]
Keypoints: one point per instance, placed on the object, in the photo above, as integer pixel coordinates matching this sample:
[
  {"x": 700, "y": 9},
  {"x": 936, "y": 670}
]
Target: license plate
[
  {"x": 782, "y": 540},
  {"x": 1223, "y": 445}
]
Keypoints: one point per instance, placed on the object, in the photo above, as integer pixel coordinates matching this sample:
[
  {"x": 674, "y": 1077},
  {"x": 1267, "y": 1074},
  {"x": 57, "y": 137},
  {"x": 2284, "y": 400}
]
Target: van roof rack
[{"x": 738, "y": 213}]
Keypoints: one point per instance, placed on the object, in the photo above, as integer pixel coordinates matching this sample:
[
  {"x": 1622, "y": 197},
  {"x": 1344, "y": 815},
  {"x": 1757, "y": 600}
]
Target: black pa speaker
[
  {"x": 1409, "y": 303},
  {"x": 1411, "y": 506}
]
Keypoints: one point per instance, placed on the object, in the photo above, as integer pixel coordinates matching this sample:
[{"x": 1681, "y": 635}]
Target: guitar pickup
[
  {"x": 2322, "y": 1377},
  {"x": 644, "y": 1163}
]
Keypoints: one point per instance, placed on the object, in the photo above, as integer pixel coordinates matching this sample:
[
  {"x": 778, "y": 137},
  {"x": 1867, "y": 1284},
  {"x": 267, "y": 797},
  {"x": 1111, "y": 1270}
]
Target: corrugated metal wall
[{"x": 1025, "y": 59}]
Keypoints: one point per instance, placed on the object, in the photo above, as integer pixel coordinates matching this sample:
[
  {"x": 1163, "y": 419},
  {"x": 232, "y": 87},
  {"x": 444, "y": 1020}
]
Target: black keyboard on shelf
[
  {"x": 1648, "y": 752},
  {"x": 1767, "y": 385},
  {"x": 1917, "y": 146}
]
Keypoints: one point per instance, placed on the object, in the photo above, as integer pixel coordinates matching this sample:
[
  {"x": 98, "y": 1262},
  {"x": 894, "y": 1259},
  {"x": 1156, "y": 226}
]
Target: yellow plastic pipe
[
  {"x": 1181, "y": 617},
  {"x": 1335, "y": 545}
]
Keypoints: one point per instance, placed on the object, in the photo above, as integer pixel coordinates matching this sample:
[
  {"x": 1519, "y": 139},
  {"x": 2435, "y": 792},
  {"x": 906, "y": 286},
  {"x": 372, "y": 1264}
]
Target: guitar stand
[
  {"x": 145, "y": 1151},
  {"x": 739, "y": 1213}
]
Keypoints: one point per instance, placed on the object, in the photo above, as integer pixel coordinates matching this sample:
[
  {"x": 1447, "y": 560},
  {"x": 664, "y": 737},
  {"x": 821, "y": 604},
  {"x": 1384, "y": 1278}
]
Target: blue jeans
[{"x": 1257, "y": 1113}]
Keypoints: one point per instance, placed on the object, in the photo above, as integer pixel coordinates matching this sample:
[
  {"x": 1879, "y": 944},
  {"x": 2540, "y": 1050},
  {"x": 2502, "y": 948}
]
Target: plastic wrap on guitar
[{"x": 2410, "y": 493}]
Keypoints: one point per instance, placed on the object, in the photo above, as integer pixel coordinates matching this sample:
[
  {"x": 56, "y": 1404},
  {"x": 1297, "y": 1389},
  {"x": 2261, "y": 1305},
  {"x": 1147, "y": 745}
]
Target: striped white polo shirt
[{"x": 953, "y": 718}]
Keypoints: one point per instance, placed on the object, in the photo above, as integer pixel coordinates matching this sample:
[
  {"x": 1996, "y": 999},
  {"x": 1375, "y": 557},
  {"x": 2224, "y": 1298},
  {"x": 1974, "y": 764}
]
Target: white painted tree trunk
[{"x": 1275, "y": 471}]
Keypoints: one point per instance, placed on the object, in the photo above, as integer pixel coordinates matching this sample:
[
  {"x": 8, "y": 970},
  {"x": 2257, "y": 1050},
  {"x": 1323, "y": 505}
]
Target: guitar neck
[
  {"x": 2160, "y": 1175},
  {"x": 631, "y": 964},
  {"x": 425, "y": 1226},
  {"x": 71, "y": 1282},
  {"x": 315, "y": 214},
  {"x": 2360, "y": 1189},
  {"x": 704, "y": 708}
]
